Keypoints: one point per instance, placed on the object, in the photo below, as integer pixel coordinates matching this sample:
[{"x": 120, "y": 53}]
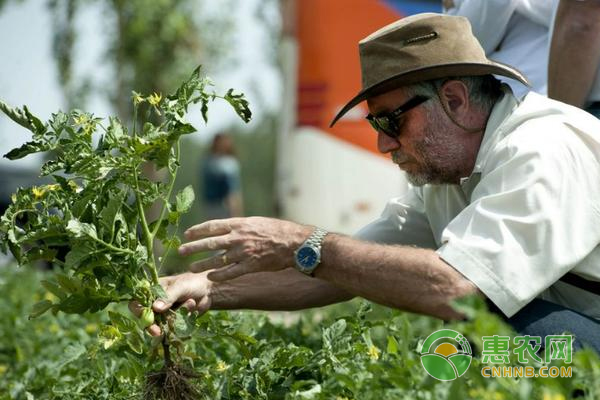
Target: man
[{"x": 504, "y": 202}]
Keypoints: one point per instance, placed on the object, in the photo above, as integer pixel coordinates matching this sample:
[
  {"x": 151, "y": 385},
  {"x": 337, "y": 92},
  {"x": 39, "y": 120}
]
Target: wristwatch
[{"x": 308, "y": 255}]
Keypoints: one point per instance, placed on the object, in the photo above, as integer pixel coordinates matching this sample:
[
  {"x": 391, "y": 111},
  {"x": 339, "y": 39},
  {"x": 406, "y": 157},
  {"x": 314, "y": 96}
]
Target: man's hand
[
  {"x": 189, "y": 290},
  {"x": 251, "y": 244}
]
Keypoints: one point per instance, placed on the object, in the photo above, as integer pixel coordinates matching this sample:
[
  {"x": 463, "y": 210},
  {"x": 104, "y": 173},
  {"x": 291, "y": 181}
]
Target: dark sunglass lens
[{"x": 388, "y": 127}]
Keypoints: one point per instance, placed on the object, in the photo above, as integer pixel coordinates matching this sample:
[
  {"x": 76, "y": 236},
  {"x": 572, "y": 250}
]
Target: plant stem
[
  {"x": 173, "y": 176},
  {"x": 167, "y": 351},
  {"x": 148, "y": 238},
  {"x": 111, "y": 247}
]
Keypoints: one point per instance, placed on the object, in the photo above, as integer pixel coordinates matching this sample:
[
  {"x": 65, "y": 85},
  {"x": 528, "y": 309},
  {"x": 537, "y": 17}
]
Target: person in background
[
  {"x": 575, "y": 55},
  {"x": 221, "y": 194},
  {"x": 514, "y": 32}
]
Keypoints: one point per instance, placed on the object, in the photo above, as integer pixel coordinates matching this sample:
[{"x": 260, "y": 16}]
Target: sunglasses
[{"x": 386, "y": 122}]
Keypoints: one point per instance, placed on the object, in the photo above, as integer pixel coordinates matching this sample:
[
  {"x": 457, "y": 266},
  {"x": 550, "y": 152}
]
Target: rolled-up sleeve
[
  {"x": 403, "y": 221},
  {"x": 533, "y": 216}
]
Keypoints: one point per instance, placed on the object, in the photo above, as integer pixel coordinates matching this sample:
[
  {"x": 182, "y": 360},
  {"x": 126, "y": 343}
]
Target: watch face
[{"x": 307, "y": 257}]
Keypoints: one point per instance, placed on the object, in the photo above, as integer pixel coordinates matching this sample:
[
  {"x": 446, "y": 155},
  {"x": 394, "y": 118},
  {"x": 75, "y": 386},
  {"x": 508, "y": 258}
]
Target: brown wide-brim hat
[{"x": 420, "y": 48}]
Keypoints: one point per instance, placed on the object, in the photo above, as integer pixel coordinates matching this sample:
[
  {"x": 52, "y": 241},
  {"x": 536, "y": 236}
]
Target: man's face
[{"x": 426, "y": 148}]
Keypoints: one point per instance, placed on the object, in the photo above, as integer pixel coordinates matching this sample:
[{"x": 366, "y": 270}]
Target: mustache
[{"x": 399, "y": 158}]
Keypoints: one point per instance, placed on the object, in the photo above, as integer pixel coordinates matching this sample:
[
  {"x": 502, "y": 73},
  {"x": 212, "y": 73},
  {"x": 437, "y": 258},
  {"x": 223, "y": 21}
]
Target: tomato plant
[{"x": 91, "y": 223}]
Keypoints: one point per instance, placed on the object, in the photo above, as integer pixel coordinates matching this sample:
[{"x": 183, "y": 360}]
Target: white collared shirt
[
  {"x": 514, "y": 32},
  {"x": 528, "y": 214}
]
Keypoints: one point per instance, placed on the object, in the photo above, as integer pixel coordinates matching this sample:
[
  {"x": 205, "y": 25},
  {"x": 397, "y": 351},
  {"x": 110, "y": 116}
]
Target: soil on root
[{"x": 171, "y": 383}]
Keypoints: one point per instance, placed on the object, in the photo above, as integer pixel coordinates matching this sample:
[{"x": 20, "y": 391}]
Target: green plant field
[{"x": 347, "y": 351}]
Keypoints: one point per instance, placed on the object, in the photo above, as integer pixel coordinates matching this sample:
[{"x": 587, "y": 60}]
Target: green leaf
[
  {"x": 54, "y": 289},
  {"x": 239, "y": 104},
  {"x": 26, "y": 149},
  {"x": 161, "y": 233},
  {"x": 109, "y": 335},
  {"x": 81, "y": 229},
  {"x": 392, "y": 345},
  {"x": 78, "y": 254},
  {"x": 185, "y": 199},
  {"x": 204, "y": 110},
  {"x": 76, "y": 303},
  {"x": 52, "y": 166},
  {"x": 24, "y": 118},
  {"x": 125, "y": 324},
  {"x": 71, "y": 353},
  {"x": 108, "y": 215},
  {"x": 71, "y": 285},
  {"x": 172, "y": 243},
  {"x": 40, "y": 308},
  {"x": 135, "y": 341}
]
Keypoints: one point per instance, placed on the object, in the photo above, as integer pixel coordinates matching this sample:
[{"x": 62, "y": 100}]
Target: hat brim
[{"x": 429, "y": 73}]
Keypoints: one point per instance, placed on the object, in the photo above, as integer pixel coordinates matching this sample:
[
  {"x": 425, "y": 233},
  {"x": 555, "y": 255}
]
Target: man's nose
[{"x": 385, "y": 144}]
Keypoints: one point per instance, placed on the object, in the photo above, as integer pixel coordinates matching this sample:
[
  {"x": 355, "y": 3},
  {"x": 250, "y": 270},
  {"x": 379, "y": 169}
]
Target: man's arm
[
  {"x": 408, "y": 278},
  {"x": 574, "y": 51},
  {"x": 284, "y": 290},
  {"x": 404, "y": 277}
]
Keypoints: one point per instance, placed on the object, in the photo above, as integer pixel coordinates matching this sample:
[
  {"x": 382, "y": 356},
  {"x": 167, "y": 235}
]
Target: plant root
[{"x": 172, "y": 382}]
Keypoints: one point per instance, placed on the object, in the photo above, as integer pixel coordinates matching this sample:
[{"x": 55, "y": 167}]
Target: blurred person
[
  {"x": 503, "y": 203},
  {"x": 514, "y": 32},
  {"x": 222, "y": 193},
  {"x": 575, "y": 55}
]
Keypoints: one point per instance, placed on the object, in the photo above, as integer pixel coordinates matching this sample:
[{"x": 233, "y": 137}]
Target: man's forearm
[
  {"x": 285, "y": 290},
  {"x": 402, "y": 277},
  {"x": 574, "y": 51}
]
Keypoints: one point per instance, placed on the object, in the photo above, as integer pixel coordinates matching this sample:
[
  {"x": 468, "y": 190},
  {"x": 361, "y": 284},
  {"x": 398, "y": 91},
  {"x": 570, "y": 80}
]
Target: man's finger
[
  {"x": 174, "y": 292},
  {"x": 214, "y": 227},
  {"x": 203, "y": 305},
  {"x": 189, "y": 304},
  {"x": 136, "y": 308},
  {"x": 154, "y": 330},
  {"x": 205, "y": 265},
  {"x": 210, "y": 243},
  {"x": 230, "y": 272},
  {"x": 218, "y": 261}
]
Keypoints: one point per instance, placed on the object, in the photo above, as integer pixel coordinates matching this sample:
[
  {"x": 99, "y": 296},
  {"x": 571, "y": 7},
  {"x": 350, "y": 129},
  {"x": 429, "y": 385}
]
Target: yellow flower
[
  {"x": 480, "y": 393},
  {"x": 553, "y": 396},
  {"x": 54, "y": 328},
  {"x": 73, "y": 186},
  {"x": 91, "y": 328},
  {"x": 13, "y": 197},
  {"x": 3, "y": 368},
  {"x": 49, "y": 296},
  {"x": 38, "y": 192},
  {"x": 137, "y": 98},
  {"x": 221, "y": 366},
  {"x": 109, "y": 335},
  {"x": 154, "y": 99},
  {"x": 374, "y": 352},
  {"x": 81, "y": 119},
  {"x": 52, "y": 187}
]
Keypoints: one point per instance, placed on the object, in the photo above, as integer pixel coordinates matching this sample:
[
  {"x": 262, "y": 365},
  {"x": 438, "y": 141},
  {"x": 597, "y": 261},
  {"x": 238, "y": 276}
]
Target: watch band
[{"x": 317, "y": 237}]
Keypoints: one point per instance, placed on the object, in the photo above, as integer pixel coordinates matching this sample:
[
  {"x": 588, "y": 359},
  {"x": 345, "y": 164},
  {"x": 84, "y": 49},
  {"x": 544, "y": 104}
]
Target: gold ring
[{"x": 224, "y": 259}]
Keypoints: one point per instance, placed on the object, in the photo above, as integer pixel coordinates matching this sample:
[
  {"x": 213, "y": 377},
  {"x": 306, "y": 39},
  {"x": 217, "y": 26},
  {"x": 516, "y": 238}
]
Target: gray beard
[{"x": 440, "y": 154}]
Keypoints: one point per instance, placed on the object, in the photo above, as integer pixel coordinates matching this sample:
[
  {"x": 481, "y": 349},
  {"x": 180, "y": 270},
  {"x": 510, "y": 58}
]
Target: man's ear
[{"x": 456, "y": 95}]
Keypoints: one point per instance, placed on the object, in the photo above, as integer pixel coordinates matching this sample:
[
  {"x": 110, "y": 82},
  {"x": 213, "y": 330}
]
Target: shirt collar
[{"x": 494, "y": 127}]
